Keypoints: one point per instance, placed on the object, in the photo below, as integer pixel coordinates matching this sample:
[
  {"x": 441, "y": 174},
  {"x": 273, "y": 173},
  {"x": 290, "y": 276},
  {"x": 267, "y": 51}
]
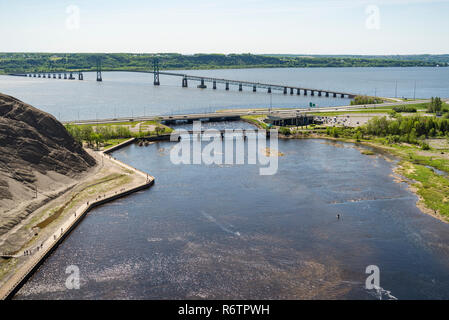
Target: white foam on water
[
  {"x": 220, "y": 225},
  {"x": 380, "y": 292}
]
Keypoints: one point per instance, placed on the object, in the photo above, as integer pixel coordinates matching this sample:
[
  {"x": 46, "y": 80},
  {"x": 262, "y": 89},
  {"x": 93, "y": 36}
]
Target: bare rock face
[{"x": 36, "y": 154}]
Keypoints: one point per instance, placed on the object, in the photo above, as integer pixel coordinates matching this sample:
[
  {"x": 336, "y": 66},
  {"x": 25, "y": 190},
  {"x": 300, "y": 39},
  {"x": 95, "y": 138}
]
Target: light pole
[
  {"x": 414, "y": 91},
  {"x": 271, "y": 103}
]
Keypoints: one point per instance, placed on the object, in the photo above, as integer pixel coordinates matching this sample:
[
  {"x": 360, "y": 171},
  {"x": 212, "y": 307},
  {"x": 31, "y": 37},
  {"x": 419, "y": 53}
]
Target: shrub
[
  {"x": 404, "y": 109},
  {"x": 365, "y": 100},
  {"x": 285, "y": 131}
]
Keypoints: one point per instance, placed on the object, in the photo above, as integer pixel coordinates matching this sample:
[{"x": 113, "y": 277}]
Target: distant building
[{"x": 290, "y": 120}]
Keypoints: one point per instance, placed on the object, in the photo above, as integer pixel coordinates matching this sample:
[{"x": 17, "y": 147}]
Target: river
[
  {"x": 126, "y": 94},
  {"x": 224, "y": 231}
]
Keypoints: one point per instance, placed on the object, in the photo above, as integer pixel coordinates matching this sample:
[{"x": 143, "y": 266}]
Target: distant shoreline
[{"x": 58, "y": 62}]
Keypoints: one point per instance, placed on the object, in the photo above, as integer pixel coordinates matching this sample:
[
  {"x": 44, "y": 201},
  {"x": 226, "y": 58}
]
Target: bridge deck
[{"x": 250, "y": 84}]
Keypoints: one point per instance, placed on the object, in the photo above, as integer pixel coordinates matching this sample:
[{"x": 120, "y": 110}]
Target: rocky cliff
[{"x": 38, "y": 157}]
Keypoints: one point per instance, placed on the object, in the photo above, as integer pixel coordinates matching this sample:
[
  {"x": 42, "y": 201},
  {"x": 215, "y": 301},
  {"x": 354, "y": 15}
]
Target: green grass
[
  {"x": 127, "y": 123},
  {"x": 112, "y": 143},
  {"x": 256, "y": 120},
  {"x": 433, "y": 188}
]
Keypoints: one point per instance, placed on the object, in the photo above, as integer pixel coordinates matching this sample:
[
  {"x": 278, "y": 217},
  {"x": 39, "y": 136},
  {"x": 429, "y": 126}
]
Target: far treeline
[{"x": 40, "y": 62}]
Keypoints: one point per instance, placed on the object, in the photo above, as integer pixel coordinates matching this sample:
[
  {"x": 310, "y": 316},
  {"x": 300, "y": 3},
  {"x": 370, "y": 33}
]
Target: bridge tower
[
  {"x": 156, "y": 81},
  {"x": 99, "y": 78}
]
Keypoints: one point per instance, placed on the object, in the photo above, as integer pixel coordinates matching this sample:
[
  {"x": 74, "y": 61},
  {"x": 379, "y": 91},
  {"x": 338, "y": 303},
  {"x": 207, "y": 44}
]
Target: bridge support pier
[
  {"x": 43, "y": 75},
  {"x": 34, "y": 75},
  {"x": 227, "y": 86},
  {"x": 269, "y": 90},
  {"x": 327, "y": 94},
  {"x": 240, "y": 87},
  {"x": 285, "y": 90},
  {"x": 214, "y": 85},
  {"x": 298, "y": 92},
  {"x": 254, "y": 88},
  {"x": 335, "y": 95},
  {"x": 342, "y": 95},
  {"x": 184, "y": 82},
  {"x": 319, "y": 93},
  {"x": 202, "y": 85},
  {"x": 59, "y": 76},
  {"x": 291, "y": 90},
  {"x": 155, "y": 72},
  {"x": 80, "y": 76},
  {"x": 54, "y": 75},
  {"x": 71, "y": 77},
  {"x": 65, "y": 75},
  {"x": 312, "y": 93},
  {"x": 305, "y": 92}
]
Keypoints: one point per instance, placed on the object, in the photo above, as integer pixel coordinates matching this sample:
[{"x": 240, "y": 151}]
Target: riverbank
[
  {"x": 112, "y": 179},
  {"x": 425, "y": 172}
]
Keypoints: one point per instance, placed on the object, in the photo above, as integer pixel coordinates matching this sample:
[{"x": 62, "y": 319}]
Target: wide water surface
[
  {"x": 224, "y": 231},
  {"x": 126, "y": 94}
]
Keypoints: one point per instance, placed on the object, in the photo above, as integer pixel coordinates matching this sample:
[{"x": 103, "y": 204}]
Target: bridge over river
[{"x": 254, "y": 86}]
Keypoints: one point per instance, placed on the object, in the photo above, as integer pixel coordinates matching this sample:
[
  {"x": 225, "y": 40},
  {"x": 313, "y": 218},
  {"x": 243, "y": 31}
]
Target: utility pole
[
  {"x": 99, "y": 78},
  {"x": 414, "y": 91},
  {"x": 271, "y": 103}
]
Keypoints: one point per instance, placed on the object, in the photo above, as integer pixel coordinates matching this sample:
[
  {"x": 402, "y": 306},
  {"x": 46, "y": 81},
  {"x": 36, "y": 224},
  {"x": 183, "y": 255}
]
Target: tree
[
  {"x": 435, "y": 105},
  {"x": 159, "y": 130}
]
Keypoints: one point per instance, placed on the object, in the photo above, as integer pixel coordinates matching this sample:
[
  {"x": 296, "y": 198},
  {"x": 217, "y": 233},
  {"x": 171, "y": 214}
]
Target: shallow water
[{"x": 224, "y": 231}]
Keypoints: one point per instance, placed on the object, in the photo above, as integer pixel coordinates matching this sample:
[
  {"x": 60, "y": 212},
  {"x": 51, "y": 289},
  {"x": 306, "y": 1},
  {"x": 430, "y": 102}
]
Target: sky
[{"x": 226, "y": 26}]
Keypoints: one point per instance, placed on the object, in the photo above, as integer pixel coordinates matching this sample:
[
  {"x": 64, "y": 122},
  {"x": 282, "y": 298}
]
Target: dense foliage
[
  {"x": 36, "y": 62},
  {"x": 404, "y": 108},
  {"x": 100, "y": 134},
  {"x": 435, "y": 105},
  {"x": 359, "y": 100},
  {"x": 414, "y": 129}
]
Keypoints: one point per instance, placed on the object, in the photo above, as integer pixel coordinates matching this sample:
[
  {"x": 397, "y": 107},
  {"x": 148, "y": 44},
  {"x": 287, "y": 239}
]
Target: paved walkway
[{"x": 38, "y": 252}]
